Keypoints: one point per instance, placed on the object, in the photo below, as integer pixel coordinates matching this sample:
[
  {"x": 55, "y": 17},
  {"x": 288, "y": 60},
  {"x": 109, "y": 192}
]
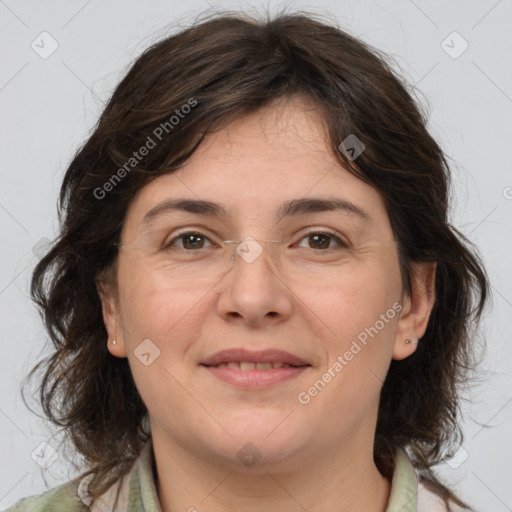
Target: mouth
[{"x": 254, "y": 370}]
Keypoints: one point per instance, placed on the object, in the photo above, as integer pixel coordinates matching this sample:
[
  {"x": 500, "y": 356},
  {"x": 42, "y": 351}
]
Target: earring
[
  {"x": 114, "y": 342},
  {"x": 415, "y": 342}
]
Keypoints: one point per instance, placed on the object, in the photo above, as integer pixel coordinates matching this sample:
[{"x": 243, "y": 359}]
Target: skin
[{"x": 317, "y": 456}]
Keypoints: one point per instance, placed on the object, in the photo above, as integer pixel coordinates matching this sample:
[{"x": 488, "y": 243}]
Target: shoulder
[
  {"x": 62, "y": 498},
  {"x": 73, "y": 496},
  {"x": 431, "y": 502}
]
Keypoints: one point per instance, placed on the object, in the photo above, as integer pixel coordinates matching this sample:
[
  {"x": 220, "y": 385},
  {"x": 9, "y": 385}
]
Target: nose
[{"x": 253, "y": 291}]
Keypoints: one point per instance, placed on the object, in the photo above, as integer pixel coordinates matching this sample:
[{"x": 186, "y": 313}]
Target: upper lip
[{"x": 262, "y": 356}]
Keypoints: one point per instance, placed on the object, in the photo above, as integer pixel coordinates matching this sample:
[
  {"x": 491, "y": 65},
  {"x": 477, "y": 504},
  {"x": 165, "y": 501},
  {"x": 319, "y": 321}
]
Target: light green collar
[{"x": 404, "y": 486}]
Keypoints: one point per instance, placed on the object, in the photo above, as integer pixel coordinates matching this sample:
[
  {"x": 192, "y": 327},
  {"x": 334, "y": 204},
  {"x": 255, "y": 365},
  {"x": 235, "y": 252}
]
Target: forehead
[
  {"x": 259, "y": 161},
  {"x": 282, "y": 136}
]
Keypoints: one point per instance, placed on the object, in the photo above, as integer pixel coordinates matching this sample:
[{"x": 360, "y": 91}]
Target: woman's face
[{"x": 326, "y": 304}]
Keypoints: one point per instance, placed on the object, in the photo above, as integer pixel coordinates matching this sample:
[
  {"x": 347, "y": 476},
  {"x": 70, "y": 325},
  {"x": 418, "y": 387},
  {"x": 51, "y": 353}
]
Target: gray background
[{"x": 49, "y": 106}]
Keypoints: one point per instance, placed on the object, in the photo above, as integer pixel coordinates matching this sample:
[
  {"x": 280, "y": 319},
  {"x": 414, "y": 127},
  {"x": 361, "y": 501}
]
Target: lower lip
[{"x": 255, "y": 379}]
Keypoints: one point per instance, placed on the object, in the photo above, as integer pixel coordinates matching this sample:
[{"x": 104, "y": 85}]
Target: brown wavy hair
[{"x": 225, "y": 65}]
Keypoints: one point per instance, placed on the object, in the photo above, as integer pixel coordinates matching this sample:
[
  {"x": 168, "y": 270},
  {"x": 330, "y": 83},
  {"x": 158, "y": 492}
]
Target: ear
[
  {"x": 109, "y": 308},
  {"x": 416, "y": 309}
]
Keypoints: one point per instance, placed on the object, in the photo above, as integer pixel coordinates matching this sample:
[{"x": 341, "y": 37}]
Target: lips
[
  {"x": 254, "y": 371},
  {"x": 244, "y": 360}
]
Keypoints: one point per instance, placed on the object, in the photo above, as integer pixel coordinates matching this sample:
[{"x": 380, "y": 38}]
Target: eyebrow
[{"x": 294, "y": 207}]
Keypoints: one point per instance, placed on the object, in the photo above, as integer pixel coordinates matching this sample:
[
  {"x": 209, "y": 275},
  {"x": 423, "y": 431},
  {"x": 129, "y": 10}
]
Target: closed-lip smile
[{"x": 254, "y": 370}]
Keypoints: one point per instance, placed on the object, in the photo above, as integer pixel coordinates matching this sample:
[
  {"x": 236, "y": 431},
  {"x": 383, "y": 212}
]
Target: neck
[{"x": 347, "y": 481}]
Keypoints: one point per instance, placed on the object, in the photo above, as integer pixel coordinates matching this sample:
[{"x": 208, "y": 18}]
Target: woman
[{"x": 256, "y": 298}]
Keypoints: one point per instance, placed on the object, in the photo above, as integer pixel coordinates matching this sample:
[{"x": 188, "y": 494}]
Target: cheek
[
  {"x": 167, "y": 316},
  {"x": 171, "y": 315},
  {"x": 358, "y": 350},
  {"x": 361, "y": 313},
  {"x": 151, "y": 306},
  {"x": 358, "y": 300}
]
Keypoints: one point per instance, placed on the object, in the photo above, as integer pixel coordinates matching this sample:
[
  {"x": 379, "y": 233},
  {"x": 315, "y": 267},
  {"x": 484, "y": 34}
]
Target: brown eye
[
  {"x": 189, "y": 241},
  {"x": 193, "y": 241},
  {"x": 320, "y": 240}
]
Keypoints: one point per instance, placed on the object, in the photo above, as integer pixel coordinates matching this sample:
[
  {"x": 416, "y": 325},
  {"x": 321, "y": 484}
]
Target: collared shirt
[{"x": 138, "y": 492}]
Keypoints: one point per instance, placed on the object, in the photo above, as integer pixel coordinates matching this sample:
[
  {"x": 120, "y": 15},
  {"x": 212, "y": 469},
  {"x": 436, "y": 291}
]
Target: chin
[
  {"x": 261, "y": 441},
  {"x": 259, "y": 456}
]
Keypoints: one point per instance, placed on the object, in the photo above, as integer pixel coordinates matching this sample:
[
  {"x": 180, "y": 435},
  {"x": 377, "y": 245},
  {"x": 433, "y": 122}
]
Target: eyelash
[{"x": 342, "y": 244}]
